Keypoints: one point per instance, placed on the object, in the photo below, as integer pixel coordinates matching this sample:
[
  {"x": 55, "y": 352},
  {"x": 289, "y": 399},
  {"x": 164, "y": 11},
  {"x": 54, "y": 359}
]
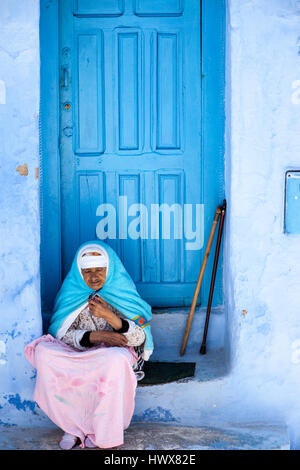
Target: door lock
[
  {"x": 65, "y": 76},
  {"x": 68, "y": 131}
]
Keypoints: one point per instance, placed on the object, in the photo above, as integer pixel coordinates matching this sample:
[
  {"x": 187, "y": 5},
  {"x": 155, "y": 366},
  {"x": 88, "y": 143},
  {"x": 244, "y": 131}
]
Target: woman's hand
[
  {"x": 108, "y": 337},
  {"x": 99, "y": 308}
]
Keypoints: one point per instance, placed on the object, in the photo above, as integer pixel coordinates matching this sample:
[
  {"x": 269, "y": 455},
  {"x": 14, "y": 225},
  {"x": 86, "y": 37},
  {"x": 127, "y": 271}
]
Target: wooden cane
[
  {"x": 213, "y": 277},
  {"x": 201, "y": 274}
]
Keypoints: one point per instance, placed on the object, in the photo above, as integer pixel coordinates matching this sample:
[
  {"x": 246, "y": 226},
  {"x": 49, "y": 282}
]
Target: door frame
[{"x": 213, "y": 21}]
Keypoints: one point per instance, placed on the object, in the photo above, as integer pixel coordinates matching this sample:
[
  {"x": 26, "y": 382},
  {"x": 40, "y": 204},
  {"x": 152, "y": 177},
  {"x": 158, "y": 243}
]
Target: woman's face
[{"x": 94, "y": 277}]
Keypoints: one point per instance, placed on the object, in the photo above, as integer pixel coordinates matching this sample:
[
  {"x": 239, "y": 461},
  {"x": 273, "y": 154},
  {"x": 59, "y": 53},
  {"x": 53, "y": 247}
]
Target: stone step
[
  {"x": 159, "y": 437},
  {"x": 187, "y": 401},
  {"x": 164, "y": 402}
]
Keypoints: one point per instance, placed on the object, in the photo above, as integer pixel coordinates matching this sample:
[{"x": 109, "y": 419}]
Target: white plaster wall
[
  {"x": 262, "y": 274},
  {"x": 19, "y": 194}
]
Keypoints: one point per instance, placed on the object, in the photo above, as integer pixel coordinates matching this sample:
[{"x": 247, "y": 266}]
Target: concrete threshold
[
  {"x": 168, "y": 327},
  {"x": 210, "y": 366}
]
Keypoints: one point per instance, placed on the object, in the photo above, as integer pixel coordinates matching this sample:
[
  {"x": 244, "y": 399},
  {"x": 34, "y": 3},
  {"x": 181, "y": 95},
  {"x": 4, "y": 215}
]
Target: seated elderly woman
[{"x": 89, "y": 363}]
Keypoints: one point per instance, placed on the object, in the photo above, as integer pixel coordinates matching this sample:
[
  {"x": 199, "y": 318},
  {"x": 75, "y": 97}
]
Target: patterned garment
[{"x": 85, "y": 321}]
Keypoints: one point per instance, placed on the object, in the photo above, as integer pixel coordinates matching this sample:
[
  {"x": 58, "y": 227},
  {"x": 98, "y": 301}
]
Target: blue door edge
[
  {"x": 213, "y": 43},
  {"x": 213, "y": 23},
  {"x": 50, "y": 229}
]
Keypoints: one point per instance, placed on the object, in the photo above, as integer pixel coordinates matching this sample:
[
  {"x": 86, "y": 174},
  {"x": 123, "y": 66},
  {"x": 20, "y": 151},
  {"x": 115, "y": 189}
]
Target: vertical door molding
[
  {"x": 50, "y": 249},
  {"x": 213, "y": 130}
]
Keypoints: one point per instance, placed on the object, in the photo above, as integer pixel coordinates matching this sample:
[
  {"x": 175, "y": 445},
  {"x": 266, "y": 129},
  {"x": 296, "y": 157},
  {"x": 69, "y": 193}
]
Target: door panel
[
  {"x": 89, "y": 83},
  {"x": 131, "y": 124}
]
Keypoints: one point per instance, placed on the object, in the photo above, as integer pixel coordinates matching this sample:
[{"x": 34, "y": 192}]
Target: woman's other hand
[{"x": 108, "y": 337}]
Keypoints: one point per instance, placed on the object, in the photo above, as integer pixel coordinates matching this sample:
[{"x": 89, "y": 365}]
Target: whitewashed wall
[
  {"x": 19, "y": 201},
  {"x": 262, "y": 273}
]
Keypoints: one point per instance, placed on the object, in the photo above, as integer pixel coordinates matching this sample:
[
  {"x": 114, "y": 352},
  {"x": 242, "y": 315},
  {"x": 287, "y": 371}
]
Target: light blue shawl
[{"x": 119, "y": 290}]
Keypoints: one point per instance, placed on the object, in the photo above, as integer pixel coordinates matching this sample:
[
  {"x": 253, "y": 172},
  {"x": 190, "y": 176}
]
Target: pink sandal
[
  {"x": 88, "y": 443},
  {"x": 68, "y": 441}
]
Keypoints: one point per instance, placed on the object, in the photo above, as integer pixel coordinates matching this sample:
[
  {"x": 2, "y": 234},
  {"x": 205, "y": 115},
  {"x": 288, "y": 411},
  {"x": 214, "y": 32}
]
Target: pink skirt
[{"x": 86, "y": 393}]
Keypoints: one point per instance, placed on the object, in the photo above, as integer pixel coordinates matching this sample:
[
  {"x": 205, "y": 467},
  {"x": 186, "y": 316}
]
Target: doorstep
[{"x": 168, "y": 327}]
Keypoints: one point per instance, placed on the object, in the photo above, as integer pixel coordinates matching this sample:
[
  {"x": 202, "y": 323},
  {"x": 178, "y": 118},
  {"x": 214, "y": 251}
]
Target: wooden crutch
[
  {"x": 213, "y": 277},
  {"x": 201, "y": 274}
]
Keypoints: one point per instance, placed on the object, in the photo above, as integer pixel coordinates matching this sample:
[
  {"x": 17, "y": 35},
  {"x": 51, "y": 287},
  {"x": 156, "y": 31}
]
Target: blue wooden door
[{"x": 131, "y": 127}]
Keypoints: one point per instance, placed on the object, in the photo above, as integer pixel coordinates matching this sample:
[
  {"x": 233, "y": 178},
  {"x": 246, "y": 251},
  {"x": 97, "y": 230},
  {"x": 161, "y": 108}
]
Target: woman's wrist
[
  {"x": 113, "y": 320},
  {"x": 96, "y": 337},
  {"x": 125, "y": 326},
  {"x": 108, "y": 337}
]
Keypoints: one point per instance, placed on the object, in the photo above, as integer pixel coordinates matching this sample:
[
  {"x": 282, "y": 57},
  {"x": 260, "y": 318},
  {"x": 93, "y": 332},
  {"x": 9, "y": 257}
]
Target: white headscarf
[{"x": 86, "y": 260}]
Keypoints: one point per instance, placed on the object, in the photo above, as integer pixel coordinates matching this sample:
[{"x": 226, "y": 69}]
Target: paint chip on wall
[
  {"x": 2, "y": 92},
  {"x": 22, "y": 169},
  {"x": 2, "y": 353}
]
